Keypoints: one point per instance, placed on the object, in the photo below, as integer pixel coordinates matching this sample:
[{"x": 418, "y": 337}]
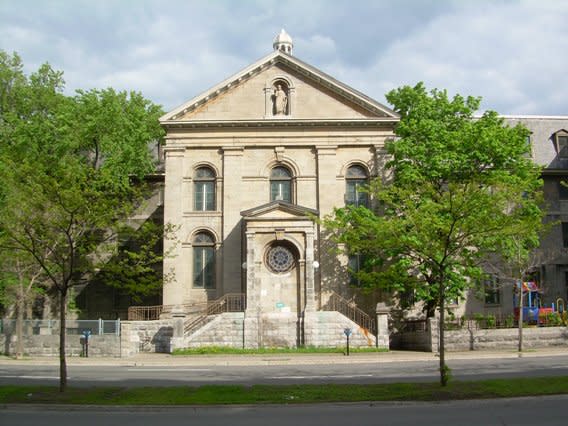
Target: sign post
[
  {"x": 347, "y": 332},
  {"x": 86, "y": 335}
]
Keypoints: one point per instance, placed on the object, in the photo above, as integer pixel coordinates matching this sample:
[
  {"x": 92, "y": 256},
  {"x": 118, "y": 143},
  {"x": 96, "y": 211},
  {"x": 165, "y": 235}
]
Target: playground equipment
[
  {"x": 560, "y": 305},
  {"x": 533, "y": 309}
]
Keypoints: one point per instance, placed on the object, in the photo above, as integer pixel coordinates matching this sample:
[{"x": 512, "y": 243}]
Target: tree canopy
[
  {"x": 67, "y": 164},
  {"x": 460, "y": 188}
]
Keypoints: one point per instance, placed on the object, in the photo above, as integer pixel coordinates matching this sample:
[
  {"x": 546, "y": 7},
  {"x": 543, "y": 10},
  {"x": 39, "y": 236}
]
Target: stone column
[
  {"x": 291, "y": 101},
  {"x": 310, "y": 273},
  {"x": 383, "y": 325},
  {"x": 433, "y": 333},
  {"x": 268, "y": 102},
  {"x": 252, "y": 313},
  {"x": 173, "y": 292},
  {"x": 253, "y": 298}
]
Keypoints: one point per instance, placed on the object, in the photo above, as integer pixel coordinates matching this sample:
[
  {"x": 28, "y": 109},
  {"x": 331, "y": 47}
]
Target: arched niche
[{"x": 279, "y": 90}]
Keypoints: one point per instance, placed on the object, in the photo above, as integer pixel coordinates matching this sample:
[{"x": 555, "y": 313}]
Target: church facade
[{"x": 250, "y": 165}]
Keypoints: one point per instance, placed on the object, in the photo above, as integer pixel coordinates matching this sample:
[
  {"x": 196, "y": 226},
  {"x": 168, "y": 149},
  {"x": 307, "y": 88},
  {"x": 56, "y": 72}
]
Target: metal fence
[{"x": 72, "y": 327}]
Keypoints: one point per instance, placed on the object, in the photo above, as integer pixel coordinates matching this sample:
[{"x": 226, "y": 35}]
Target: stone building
[
  {"x": 250, "y": 163},
  {"x": 549, "y": 264}
]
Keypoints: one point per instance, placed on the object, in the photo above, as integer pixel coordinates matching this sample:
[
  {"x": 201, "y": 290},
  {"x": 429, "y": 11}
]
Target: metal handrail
[
  {"x": 351, "y": 311},
  {"x": 231, "y": 302},
  {"x": 145, "y": 313}
]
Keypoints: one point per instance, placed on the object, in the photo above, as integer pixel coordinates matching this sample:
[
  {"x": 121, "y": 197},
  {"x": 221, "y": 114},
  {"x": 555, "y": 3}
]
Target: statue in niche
[{"x": 280, "y": 100}]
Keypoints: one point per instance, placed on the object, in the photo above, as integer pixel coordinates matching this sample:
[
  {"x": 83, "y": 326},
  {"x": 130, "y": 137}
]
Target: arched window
[
  {"x": 355, "y": 265},
  {"x": 356, "y": 179},
  {"x": 203, "y": 260},
  {"x": 280, "y": 184},
  {"x": 204, "y": 189}
]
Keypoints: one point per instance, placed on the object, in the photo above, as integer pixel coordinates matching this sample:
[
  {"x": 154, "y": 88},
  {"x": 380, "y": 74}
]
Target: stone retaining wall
[
  {"x": 146, "y": 336},
  {"x": 105, "y": 345},
  {"x": 225, "y": 330},
  {"x": 322, "y": 328},
  {"x": 326, "y": 329},
  {"x": 482, "y": 339}
]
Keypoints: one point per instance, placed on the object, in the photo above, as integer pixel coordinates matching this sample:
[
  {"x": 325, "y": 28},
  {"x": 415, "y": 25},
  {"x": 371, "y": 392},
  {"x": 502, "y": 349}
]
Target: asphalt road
[
  {"x": 376, "y": 372},
  {"x": 550, "y": 411}
]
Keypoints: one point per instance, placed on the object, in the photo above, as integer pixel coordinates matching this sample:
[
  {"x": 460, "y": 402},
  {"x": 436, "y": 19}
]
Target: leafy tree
[
  {"x": 20, "y": 285},
  {"x": 67, "y": 164},
  {"x": 461, "y": 189},
  {"x": 136, "y": 264}
]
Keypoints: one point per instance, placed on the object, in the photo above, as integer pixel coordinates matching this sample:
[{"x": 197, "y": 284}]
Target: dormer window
[{"x": 561, "y": 142}]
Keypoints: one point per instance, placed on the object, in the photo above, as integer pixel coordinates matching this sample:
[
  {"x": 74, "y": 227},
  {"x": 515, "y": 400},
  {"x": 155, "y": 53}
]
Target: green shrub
[{"x": 510, "y": 321}]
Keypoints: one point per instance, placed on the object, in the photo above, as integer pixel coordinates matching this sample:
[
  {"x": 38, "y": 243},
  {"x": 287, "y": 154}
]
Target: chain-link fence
[{"x": 47, "y": 327}]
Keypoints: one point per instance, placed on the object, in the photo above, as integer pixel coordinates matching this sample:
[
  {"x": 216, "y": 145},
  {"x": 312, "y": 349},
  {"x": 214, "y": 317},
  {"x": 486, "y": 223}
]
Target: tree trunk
[
  {"x": 62, "y": 335},
  {"x": 521, "y": 319},
  {"x": 20, "y": 322},
  {"x": 444, "y": 373}
]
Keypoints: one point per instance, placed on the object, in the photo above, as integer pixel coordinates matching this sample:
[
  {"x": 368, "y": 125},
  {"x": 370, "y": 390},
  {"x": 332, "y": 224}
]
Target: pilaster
[
  {"x": 173, "y": 291},
  {"x": 310, "y": 273},
  {"x": 231, "y": 207}
]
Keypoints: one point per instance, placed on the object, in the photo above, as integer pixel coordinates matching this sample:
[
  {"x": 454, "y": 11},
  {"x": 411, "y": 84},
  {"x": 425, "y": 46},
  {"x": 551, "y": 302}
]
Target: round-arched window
[
  {"x": 280, "y": 184},
  {"x": 356, "y": 179},
  {"x": 203, "y": 260},
  {"x": 204, "y": 189}
]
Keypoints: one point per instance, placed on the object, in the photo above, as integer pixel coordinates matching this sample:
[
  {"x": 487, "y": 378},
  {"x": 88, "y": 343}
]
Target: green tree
[
  {"x": 20, "y": 285},
  {"x": 136, "y": 263},
  {"x": 67, "y": 165},
  {"x": 462, "y": 189}
]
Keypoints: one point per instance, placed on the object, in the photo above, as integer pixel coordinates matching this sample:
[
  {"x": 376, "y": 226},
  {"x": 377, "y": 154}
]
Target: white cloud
[
  {"x": 502, "y": 53},
  {"x": 513, "y": 53}
]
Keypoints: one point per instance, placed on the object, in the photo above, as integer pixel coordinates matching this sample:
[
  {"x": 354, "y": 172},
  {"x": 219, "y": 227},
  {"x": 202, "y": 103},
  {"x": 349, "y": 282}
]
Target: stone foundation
[
  {"x": 482, "y": 339},
  {"x": 105, "y": 345}
]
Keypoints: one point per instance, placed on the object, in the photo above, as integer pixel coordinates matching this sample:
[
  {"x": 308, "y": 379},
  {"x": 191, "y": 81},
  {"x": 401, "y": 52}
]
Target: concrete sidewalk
[{"x": 153, "y": 359}]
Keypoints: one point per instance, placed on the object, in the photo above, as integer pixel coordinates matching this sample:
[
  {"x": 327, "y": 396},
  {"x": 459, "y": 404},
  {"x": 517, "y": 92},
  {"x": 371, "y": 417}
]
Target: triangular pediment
[
  {"x": 313, "y": 95},
  {"x": 279, "y": 210}
]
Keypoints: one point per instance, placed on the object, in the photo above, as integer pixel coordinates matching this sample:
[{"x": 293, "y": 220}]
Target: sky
[{"x": 512, "y": 53}]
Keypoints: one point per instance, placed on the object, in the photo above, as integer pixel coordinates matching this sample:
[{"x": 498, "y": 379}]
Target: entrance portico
[{"x": 279, "y": 273}]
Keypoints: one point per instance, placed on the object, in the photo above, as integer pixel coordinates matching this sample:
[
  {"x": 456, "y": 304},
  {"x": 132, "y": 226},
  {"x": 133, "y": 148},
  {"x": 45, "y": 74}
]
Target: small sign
[
  {"x": 347, "y": 331},
  {"x": 86, "y": 333},
  {"x": 280, "y": 305}
]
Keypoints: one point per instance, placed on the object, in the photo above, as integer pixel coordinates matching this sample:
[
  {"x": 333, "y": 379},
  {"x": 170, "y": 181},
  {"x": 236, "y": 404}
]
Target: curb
[{"x": 151, "y": 359}]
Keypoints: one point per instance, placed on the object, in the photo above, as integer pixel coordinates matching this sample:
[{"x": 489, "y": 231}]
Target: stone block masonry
[
  {"x": 234, "y": 329},
  {"x": 326, "y": 329},
  {"x": 106, "y": 345},
  {"x": 482, "y": 339}
]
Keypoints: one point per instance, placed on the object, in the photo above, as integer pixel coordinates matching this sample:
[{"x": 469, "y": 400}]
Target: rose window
[{"x": 280, "y": 259}]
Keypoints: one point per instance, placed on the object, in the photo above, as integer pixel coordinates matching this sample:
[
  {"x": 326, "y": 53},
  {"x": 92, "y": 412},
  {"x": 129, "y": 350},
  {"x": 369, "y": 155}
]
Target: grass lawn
[
  {"x": 225, "y": 350},
  {"x": 268, "y": 394}
]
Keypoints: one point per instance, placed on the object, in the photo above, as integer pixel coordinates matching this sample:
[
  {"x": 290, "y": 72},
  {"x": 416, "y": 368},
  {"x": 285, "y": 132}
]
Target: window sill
[{"x": 206, "y": 213}]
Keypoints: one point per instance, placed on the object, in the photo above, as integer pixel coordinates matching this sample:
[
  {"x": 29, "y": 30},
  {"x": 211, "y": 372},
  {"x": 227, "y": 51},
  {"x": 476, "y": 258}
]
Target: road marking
[
  {"x": 31, "y": 377},
  {"x": 168, "y": 369},
  {"x": 355, "y": 376}
]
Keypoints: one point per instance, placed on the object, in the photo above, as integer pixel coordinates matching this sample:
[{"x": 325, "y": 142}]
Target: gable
[
  {"x": 249, "y": 95},
  {"x": 278, "y": 210}
]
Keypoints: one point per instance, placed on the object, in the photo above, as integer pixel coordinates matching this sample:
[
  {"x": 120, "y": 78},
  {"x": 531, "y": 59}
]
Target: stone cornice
[{"x": 279, "y": 124}]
